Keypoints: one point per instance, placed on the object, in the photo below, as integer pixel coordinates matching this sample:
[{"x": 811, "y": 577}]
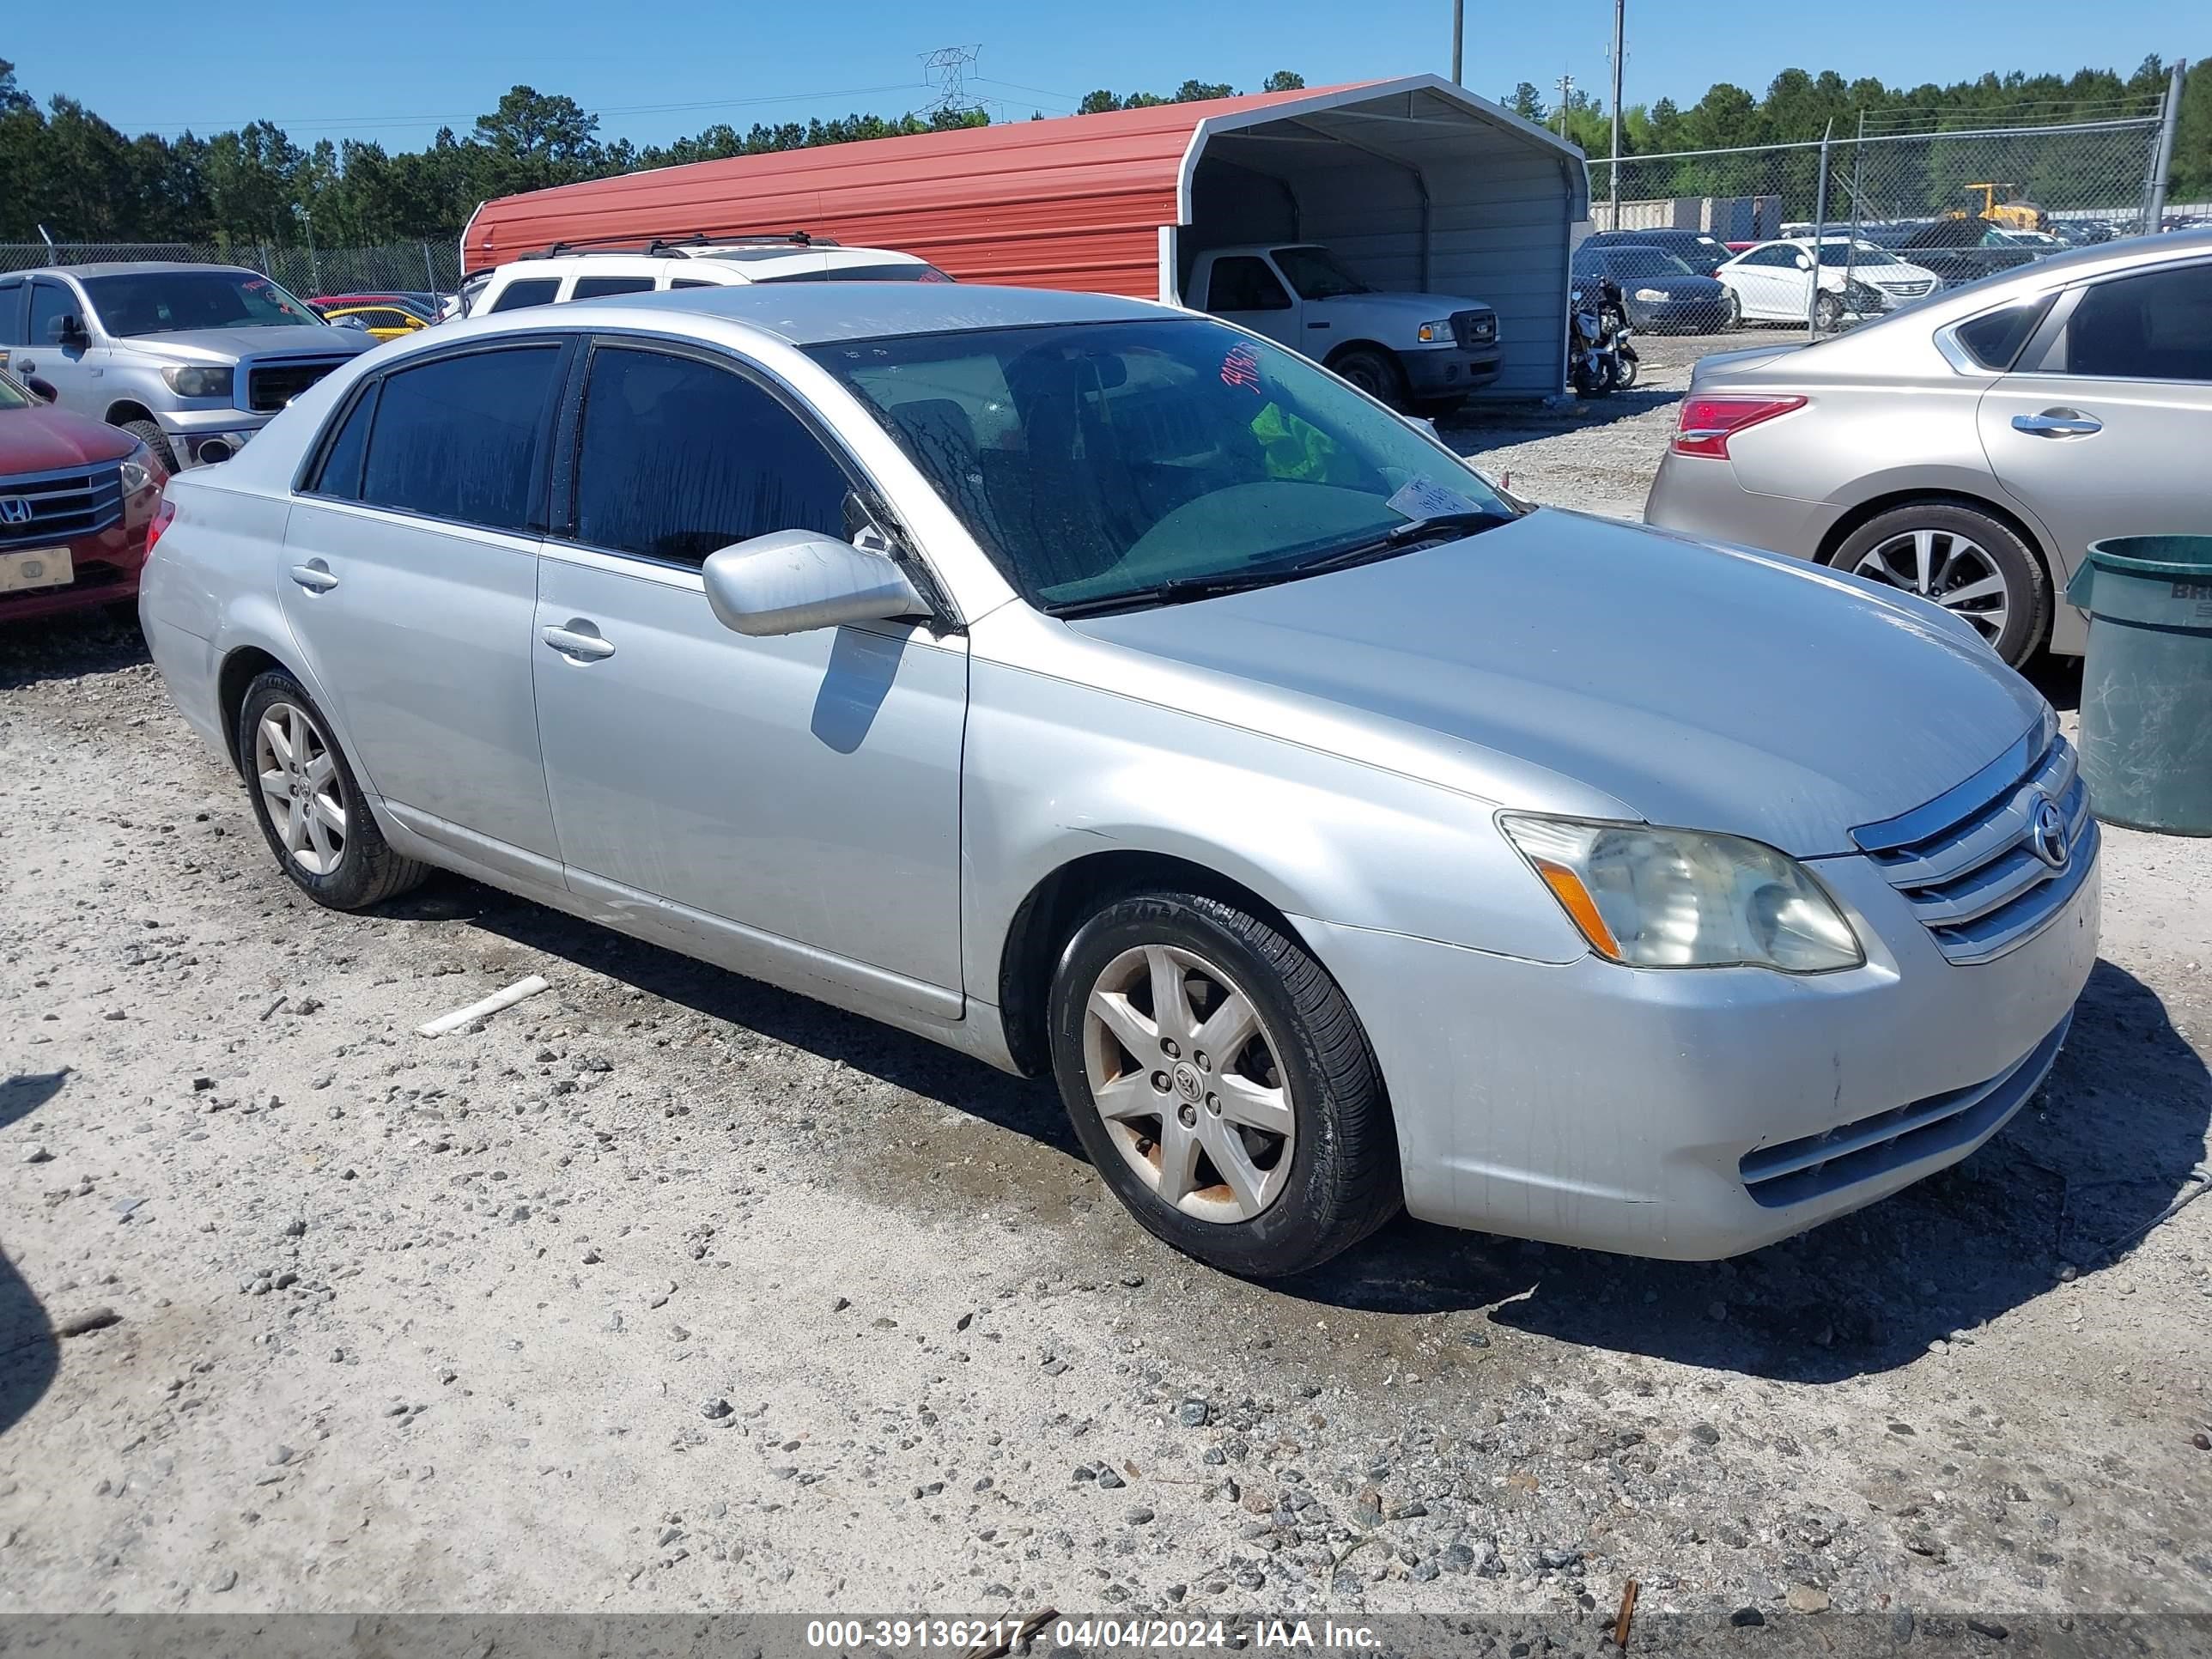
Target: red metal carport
[{"x": 1416, "y": 183}]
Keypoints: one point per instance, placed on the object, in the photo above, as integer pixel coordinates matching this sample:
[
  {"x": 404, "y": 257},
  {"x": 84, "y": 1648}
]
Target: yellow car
[{"x": 385, "y": 322}]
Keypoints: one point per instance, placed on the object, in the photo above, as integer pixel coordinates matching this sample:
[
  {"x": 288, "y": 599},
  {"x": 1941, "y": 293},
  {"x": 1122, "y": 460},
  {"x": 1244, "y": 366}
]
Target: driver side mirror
[
  {"x": 41, "y": 389},
  {"x": 66, "y": 330},
  {"x": 794, "y": 581},
  {"x": 1804, "y": 262}
]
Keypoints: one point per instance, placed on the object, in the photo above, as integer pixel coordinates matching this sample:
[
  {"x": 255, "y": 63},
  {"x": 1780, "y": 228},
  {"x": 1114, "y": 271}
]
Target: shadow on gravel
[
  {"x": 1480, "y": 424},
  {"x": 29, "y": 1352},
  {"x": 63, "y": 646},
  {"x": 2075, "y": 1179},
  {"x": 912, "y": 1063}
]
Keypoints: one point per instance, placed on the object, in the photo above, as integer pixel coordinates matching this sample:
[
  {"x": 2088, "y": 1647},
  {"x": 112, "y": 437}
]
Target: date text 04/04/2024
[{"x": 1162, "y": 1635}]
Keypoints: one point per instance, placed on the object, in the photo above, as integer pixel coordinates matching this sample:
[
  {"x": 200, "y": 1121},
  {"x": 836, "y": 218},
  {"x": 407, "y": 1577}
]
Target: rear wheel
[
  {"x": 1964, "y": 560},
  {"x": 1221, "y": 1084},
  {"x": 1375, "y": 373},
  {"x": 151, "y": 436},
  {"x": 309, "y": 808}
]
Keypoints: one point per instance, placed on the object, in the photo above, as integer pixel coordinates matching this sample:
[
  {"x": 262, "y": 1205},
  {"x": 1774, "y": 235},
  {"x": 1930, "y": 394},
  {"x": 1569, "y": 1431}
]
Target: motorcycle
[{"x": 1600, "y": 359}]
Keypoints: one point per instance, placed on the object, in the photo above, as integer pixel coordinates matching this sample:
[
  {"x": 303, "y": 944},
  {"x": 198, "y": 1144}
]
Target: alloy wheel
[
  {"x": 1953, "y": 570},
  {"x": 1189, "y": 1083},
  {"x": 305, "y": 797}
]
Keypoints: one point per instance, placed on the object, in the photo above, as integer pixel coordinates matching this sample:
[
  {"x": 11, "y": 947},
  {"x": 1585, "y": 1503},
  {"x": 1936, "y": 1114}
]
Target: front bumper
[
  {"x": 106, "y": 566},
  {"x": 189, "y": 429},
  {"x": 1690, "y": 316},
  {"x": 1443, "y": 371},
  {"x": 1652, "y": 1112}
]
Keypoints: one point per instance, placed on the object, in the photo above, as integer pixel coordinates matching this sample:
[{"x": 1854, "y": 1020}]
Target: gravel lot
[{"x": 664, "y": 1290}]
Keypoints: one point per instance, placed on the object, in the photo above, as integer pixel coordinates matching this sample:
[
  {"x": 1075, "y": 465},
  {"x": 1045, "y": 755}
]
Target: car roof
[
  {"x": 131, "y": 268},
  {"x": 816, "y": 313}
]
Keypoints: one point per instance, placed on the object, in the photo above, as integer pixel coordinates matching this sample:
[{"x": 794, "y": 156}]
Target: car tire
[
  {"x": 1735, "y": 317},
  {"x": 148, "y": 433},
  {"x": 1828, "y": 314},
  {"x": 1966, "y": 548},
  {"x": 1306, "y": 1134},
  {"x": 1375, "y": 373},
  {"x": 329, "y": 844}
]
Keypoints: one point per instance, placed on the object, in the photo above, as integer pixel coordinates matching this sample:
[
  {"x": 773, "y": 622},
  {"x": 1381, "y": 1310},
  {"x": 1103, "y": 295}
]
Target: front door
[
  {"x": 798, "y": 798},
  {"x": 1244, "y": 289},
  {"x": 410, "y": 577},
  {"x": 71, "y": 367},
  {"x": 2105, "y": 432}
]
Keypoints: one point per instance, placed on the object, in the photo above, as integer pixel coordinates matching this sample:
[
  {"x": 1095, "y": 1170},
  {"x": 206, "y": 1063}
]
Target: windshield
[
  {"x": 13, "y": 396},
  {"x": 1856, "y": 254},
  {"x": 1645, "y": 262},
  {"x": 1096, "y": 462},
  {"x": 1316, "y": 274},
  {"x": 166, "y": 302}
]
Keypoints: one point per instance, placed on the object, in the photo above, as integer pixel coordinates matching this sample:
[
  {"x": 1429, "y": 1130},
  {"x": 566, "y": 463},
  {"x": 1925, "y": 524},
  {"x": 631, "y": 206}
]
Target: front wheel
[
  {"x": 1734, "y": 311},
  {"x": 1221, "y": 1084},
  {"x": 1966, "y": 561},
  {"x": 1375, "y": 374},
  {"x": 148, "y": 433},
  {"x": 1828, "y": 313}
]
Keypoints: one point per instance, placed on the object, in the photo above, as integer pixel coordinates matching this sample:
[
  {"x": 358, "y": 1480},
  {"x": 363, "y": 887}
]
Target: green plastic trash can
[{"x": 2147, "y": 683}]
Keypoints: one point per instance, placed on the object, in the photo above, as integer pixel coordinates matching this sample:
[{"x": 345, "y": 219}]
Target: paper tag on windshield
[{"x": 1424, "y": 500}]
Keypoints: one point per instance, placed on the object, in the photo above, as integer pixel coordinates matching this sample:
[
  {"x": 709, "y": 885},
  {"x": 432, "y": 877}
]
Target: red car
[{"x": 77, "y": 498}]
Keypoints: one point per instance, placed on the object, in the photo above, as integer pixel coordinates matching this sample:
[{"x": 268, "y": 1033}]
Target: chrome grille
[
  {"x": 269, "y": 386},
  {"x": 79, "y": 501},
  {"x": 1911, "y": 290},
  {"x": 1978, "y": 884}
]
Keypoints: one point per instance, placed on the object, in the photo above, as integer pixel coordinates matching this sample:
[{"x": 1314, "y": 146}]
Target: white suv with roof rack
[{"x": 564, "y": 272}]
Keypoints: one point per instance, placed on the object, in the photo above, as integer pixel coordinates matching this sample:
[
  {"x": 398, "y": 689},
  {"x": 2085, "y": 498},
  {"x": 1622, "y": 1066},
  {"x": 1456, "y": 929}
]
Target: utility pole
[
  {"x": 2162, "y": 167},
  {"x": 1566, "y": 96},
  {"x": 1620, "y": 32},
  {"x": 946, "y": 66},
  {"x": 1459, "y": 36}
]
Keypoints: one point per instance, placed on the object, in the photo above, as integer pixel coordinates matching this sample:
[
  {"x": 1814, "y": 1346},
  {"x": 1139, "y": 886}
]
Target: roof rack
[{"x": 682, "y": 247}]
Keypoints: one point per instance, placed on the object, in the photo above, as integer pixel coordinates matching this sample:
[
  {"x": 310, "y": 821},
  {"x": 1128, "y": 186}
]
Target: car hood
[
  {"x": 1702, "y": 686},
  {"x": 230, "y": 346},
  {"x": 1676, "y": 285},
  {"x": 47, "y": 440},
  {"x": 1416, "y": 308},
  {"x": 1876, "y": 276}
]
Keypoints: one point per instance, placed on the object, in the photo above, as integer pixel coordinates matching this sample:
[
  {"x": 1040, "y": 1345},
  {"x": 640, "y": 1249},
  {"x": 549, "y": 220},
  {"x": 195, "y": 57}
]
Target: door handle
[
  {"x": 314, "y": 576},
  {"x": 2058, "y": 423},
  {"x": 27, "y": 365},
  {"x": 575, "y": 642}
]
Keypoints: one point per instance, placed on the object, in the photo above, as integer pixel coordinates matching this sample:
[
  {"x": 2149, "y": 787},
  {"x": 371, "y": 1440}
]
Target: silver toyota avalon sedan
[
  {"x": 1099, "y": 689},
  {"x": 1970, "y": 449}
]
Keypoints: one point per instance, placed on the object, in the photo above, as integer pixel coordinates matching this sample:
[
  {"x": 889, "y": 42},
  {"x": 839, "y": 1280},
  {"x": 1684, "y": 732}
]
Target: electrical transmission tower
[{"x": 946, "y": 69}]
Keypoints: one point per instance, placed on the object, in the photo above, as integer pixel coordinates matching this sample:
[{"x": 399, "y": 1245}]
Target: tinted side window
[
  {"x": 679, "y": 457},
  {"x": 1995, "y": 340},
  {"x": 692, "y": 281},
  {"x": 11, "y": 314},
  {"x": 593, "y": 287},
  {"x": 50, "y": 303},
  {"x": 531, "y": 291},
  {"x": 1245, "y": 285},
  {"x": 459, "y": 438},
  {"x": 340, "y": 472},
  {"x": 2154, "y": 326}
]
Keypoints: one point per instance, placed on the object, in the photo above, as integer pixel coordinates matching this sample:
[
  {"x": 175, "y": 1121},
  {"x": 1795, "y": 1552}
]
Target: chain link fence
[
  {"x": 1894, "y": 216},
  {"x": 395, "y": 267}
]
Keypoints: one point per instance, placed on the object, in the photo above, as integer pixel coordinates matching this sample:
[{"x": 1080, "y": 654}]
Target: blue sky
[{"x": 370, "y": 73}]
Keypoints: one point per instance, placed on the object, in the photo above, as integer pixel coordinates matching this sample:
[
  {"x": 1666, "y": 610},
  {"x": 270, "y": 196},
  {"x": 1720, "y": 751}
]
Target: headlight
[
  {"x": 1431, "y": 333},
  {"x": 1681, "y": 898},
  {"x": 198, "y": 382},
  {"x": 141, "y": 471},
  {"x": 1651, "y": 295}
]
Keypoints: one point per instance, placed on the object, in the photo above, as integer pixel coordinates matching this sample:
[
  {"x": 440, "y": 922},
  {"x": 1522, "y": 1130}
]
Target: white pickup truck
[{"x": 1422, "y": 353}]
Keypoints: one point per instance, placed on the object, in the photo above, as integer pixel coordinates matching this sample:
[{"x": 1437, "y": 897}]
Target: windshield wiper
[{"x": 1183, "y": 590}]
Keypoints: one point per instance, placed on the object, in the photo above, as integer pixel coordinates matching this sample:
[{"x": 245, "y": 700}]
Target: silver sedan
[
  {"x": 1106, "y": 692},
  {"x": 1968, "y": 449}
]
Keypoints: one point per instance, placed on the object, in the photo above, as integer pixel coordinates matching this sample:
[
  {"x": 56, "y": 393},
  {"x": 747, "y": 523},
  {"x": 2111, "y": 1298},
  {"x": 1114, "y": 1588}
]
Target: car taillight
[
  {"x": 164, "y": 513},
  {"x": 1706, "y": 424}
]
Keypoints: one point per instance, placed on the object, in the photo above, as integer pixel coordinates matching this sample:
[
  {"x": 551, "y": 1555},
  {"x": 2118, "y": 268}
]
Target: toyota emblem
[
  {"x": 14, "y": 509},
  {"x": 2048, "y": 833}
]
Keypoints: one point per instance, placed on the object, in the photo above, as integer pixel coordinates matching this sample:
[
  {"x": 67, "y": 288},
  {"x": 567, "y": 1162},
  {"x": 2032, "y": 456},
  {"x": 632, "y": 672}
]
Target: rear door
[
  {"x": 1244, "y": 289},
  {"x": 410, "y": 578},
  {"x": 2104, "y": 427}
]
